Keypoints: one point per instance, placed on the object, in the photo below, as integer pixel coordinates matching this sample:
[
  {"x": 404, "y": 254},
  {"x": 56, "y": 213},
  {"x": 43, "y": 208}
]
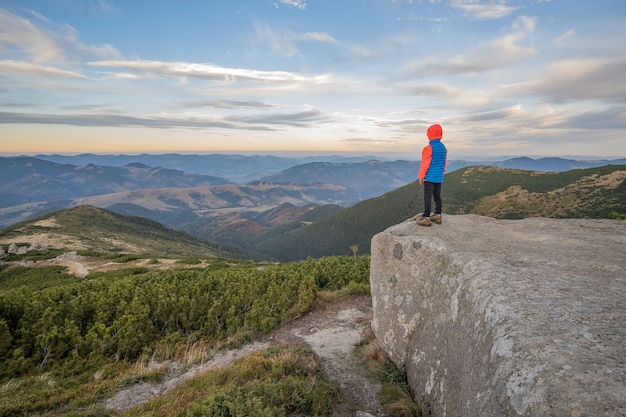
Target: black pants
[{"x": 432, "y": 190}]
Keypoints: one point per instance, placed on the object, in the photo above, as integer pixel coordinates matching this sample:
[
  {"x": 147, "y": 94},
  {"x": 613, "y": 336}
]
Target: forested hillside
[
  {"x": 247, "y": 231},
  {"x": 490, "y": 191},
  {"x": 351, "y": 227},
  {"x": 87, "y": 333}
]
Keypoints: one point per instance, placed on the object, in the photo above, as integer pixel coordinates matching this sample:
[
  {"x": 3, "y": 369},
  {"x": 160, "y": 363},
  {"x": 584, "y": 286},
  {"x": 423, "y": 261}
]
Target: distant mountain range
[
  {"x": 246, "y": 168},
  {"x": 279, "y": 198},
  {"x": 27, "y": 179},
  {"x": 551, "y": 164},
  {"x": 35, "y": 186},
  {"x": 253, "y": 218},
  {"x": 234, "y": 167}
]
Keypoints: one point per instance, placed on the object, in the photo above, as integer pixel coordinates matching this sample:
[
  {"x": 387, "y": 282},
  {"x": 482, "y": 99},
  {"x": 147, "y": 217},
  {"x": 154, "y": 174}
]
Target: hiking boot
[
  {"x": 436, "y": 218},
  {"x": 423, "y": 220}
]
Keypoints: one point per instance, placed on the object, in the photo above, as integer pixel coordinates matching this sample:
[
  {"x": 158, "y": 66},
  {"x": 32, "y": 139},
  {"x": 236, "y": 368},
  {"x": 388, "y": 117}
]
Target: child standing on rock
[{"x": 432, "y": 168}]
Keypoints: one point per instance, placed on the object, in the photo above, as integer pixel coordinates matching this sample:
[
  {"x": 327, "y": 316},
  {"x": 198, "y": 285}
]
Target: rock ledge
[{"x": 505, "y": 317}]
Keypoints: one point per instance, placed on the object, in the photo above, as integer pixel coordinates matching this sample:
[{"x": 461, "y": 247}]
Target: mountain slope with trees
[
  {"x": 490, "y": 191},
  {"x": 175, "y": 207},
  {"x": 515, "y": 194},
  {"x": 246, "y": 168},
  {"x": 176, "y": 190},
  {"x": 68, "y": 344}
]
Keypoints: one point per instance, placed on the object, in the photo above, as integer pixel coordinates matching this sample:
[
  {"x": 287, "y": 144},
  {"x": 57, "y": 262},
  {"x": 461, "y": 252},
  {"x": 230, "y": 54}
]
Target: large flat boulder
[{"x": 505, "y": 317}]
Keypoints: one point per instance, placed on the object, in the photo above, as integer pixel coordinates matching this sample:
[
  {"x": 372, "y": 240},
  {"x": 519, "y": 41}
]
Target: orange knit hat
[{"x": 434, "y": 132}]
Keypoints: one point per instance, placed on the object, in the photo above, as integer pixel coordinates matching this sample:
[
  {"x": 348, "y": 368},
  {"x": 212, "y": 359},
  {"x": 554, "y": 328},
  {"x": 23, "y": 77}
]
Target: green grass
[
  {"x": 280, "y": 381},
  {"x": 617, "y": 216},
  {"x": 62, "y": 393},
  {"x": 395, "y": 394}
]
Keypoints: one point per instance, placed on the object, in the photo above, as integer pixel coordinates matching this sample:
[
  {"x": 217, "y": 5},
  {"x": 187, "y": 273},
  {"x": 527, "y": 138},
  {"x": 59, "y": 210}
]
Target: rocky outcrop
[
  {"x": 22, "y": 249},
  {"x": 505, "y": 317}
]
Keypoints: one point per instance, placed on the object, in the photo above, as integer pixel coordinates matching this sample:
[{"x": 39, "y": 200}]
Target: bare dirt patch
[
  {"x": 81, "y": 266},
  {"x": 49, "y": 239},
  {"x": 51, "y": 222}
]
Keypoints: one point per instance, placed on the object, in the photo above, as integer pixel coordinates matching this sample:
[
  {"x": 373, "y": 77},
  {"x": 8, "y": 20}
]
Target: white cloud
[
  {"x": 8, "y": 67},
  {"x": 384, "y": 49},
  {"x": 102, "y": 7},
  {"x": 359, "y": 52},
  {"x": 234, "y": 104},
  {"x": 300, "y": 4},
  {"x": 299, "y": 119},
  {"x": 458, "y": 97},
  {"x": 284, "y": 41},
  {"x": 18, "y": 36},
  {"x": 477, "y": 9},
  {"x": 184, "y": 70},
  {"x": 267, "y": 121},
  {"x": 322, "y": 37},
  {"x": 580, "y": 79},
  {"x": 21, "y": 39},
  {"x": 281, "y": 42},
  {"x": 565, "y": 38},
  {"x": 505, "y": 50},
  {"x": 414, "y": 1}
]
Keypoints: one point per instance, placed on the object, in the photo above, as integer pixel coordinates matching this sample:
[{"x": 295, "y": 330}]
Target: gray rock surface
[{"x": 505, "y": 317}]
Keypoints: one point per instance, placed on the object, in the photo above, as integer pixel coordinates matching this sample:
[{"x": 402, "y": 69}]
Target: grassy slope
[
  {"x": 99, "y": 230},
  {"x": 516, "y": 194}
]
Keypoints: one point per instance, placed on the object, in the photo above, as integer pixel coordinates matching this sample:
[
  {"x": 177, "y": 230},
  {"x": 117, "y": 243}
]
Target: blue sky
[{"x": 503, "y": 77}]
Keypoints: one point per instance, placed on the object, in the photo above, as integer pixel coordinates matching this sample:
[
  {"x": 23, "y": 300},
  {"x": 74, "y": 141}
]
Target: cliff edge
[{"x": 505, "y": 317}]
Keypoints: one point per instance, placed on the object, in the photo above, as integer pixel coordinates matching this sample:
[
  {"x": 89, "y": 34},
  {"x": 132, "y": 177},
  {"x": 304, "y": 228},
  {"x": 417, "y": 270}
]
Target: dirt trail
[{"x": 331, "y": 332}]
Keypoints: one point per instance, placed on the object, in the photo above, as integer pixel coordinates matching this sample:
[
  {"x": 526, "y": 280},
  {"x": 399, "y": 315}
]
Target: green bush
[
  {"x": 189, "y": 261},
  {"x": 52, "y": 323},
  {"x": 49, "y": 314}
]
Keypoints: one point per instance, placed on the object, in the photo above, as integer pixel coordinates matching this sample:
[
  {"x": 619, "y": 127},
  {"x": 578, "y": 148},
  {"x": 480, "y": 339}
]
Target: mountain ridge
[
  {"x": 88, "y": 228},
  {"x": 36, "y": 180},
  {"x": 245, "y": 168}
]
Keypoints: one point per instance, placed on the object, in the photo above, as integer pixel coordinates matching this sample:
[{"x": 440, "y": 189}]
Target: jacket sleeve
[{"x": 427, "y": 157}]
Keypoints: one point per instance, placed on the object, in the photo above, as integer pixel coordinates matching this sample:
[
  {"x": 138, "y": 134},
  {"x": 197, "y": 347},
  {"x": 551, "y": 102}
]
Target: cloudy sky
[{"x": 503, "y": 77}]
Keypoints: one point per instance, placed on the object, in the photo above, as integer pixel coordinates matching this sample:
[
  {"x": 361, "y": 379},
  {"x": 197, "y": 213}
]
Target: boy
[{"x": 432, "y": 168}]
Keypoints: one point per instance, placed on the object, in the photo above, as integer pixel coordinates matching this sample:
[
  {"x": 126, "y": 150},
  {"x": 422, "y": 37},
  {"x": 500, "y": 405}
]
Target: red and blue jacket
[{"x": 434, "y": 161}]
